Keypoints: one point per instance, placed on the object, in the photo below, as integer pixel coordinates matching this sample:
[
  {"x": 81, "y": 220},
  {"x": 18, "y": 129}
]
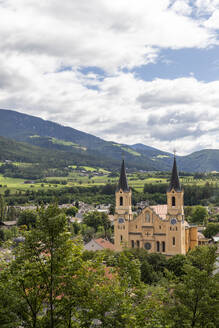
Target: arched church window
[
  {"x": 121, "y": 201},
  {"x": 147, "y": 218},
  {"x": 173, "y": 201},
  {"x": 158, "y": 246},
  {"x": 138, "y": 243},
  {"x": 121, "y": 238},
  {"x": 174, "y": 241},
  {"x": 133, "y": 244},
  {"x": 163, "y": 246}
]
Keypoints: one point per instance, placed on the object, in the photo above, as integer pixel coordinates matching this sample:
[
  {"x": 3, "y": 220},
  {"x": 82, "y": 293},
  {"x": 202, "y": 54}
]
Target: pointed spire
[
  {"x": 123, "y": 183},
  {"x": 174, "y": 182}
]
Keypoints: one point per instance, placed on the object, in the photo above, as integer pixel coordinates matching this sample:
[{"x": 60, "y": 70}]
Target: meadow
[{"x": 87, "y": 176}]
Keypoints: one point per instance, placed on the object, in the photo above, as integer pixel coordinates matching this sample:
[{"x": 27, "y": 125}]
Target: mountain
[
  {"x": 36, "y": 139},
  {"x": 24, "y": 152},
  {"x": 159, "y": 157},
  {"x": 50, "y": 135},
  {"x": 206, "y": 160}
]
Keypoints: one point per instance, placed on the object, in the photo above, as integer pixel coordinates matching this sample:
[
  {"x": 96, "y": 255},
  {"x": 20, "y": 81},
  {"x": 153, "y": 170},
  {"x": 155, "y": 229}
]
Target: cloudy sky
[{"x": 125, "y": 70}]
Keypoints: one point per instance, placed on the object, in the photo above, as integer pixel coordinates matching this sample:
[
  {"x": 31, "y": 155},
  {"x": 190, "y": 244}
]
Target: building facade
[{"x": 158, "y": 229}]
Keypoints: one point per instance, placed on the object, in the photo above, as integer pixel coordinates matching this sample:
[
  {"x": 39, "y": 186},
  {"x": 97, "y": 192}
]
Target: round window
[
  {"x": 147, "y": 246},
  {"x": 121, "y": 220},
  {"x": 173, "y": 221}
]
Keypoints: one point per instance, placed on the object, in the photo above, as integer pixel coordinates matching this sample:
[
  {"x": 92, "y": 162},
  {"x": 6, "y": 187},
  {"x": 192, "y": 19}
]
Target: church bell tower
[
  {"x": 175, "y": 193},
  {"x": 175, "y": 215},
  {"x": 123, "y": 210}
]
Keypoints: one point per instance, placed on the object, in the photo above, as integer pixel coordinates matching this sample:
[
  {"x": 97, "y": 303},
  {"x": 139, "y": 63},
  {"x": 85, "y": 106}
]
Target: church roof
[
  {"x": 174, "y": 182},
  {"x": 160, "y": 210},
  {"x": 123, "y": 182}
]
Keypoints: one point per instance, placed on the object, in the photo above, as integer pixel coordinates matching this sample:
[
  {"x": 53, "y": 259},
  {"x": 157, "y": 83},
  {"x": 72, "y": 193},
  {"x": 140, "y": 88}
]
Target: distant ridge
[{"x": 83, "y": 148}]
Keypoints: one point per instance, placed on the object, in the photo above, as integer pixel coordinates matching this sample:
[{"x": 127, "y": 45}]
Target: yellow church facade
[{"x": 157, "y": 229}]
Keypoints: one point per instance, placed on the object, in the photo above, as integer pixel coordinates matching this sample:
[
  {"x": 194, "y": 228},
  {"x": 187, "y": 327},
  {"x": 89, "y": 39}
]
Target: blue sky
[
  {"x": 203, "y": 64},
  {"x": 128, "y": 71}
]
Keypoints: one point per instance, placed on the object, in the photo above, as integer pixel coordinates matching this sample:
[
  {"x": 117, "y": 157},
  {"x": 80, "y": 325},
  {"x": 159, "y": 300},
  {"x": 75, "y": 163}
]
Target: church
[{"x": 158, "y": 229}]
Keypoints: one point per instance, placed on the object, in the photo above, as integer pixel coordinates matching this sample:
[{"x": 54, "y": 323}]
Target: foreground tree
[
  {"x": 50, "y": 284},
  {"x": 195, "y": 296}
]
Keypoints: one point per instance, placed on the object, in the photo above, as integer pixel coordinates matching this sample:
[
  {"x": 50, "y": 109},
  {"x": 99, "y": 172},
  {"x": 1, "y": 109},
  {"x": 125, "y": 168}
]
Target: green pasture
[
  {"x": 9, "y": 183},
  {"x": 15, "y": 185},
  {"x": 136, "y": 180},
  {"x": 74, "y": 179},
  {"x": 90, "y": 169}
]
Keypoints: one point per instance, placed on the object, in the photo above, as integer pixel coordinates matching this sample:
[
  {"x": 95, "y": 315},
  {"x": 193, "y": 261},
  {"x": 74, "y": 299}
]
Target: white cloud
[
  {"x": 206, "y": 6},
  {"x": 103, "y": 33},
  {"x": 182, "y": 7},
  {"x": 213, "y": 21},
  {"x": 37, "y": 39}
]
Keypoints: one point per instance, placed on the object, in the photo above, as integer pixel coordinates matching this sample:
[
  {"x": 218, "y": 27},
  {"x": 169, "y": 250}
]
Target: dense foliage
[
  {"x": 52, "y": 283},
  {"x": 154, "y": 193},
  {"x": 193, "y": 194},
  {"x": 211, "y": 230}
]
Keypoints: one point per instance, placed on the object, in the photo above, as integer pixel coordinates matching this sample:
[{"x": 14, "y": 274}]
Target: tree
[
  {"x": 112, "y": 209},
  {"x": 211, "y": 230},
  {"x": 71, "y": 211},
  {"x": 3, "y": 208},
  {"x": 95, "y": 219},
  {"x": 175, "y": 264},
  {"x": 39, "y": 271},
  {"x": 105, "y": 223},
  {"x": 195, "y": 298},
  {"x": 9, "y": 301},
  {"x": 188, "y": 211},
  {"x": 12, "y": 213},
  {"x": 50, "y": 284},
  {"x": 76, "y": 227},
  {"x": 28, "y": 218},
  {"x": 199, "y": 214},
  {"x": 87, "y": 232},
  {"x": 7, "y": 192}
]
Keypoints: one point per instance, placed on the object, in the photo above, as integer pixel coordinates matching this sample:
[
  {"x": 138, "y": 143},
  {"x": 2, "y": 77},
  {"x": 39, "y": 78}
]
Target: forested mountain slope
[{"x": 65, "y": 144}]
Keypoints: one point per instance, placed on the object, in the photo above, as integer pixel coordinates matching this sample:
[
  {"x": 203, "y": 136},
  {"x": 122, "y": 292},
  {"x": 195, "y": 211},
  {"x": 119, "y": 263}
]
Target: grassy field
[
  {"x": 74, "y": 179},
  {"x": 90, "y": 176}
]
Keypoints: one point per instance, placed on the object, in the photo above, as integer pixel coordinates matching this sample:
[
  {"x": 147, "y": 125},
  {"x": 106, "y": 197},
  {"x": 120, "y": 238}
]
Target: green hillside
[
  {"x": 46, "y": 134},
  {"x": 12, "y": 150},
  {"x": 206, "y": 160},
  {"x": 56, "y": 145}
]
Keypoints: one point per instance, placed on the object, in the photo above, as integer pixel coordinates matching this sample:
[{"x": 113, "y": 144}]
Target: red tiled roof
[
  {"x": 105, "y": 243},
  {"x": 160, "y": 210}
]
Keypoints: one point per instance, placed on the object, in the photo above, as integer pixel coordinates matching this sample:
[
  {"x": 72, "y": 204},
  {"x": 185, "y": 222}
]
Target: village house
[{"x": 99, "y": 245}]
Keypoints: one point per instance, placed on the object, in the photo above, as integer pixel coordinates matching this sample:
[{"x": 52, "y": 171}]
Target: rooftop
[
  {"x": 160, "y": 210},
  {"x": 105, "y": 243}
]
